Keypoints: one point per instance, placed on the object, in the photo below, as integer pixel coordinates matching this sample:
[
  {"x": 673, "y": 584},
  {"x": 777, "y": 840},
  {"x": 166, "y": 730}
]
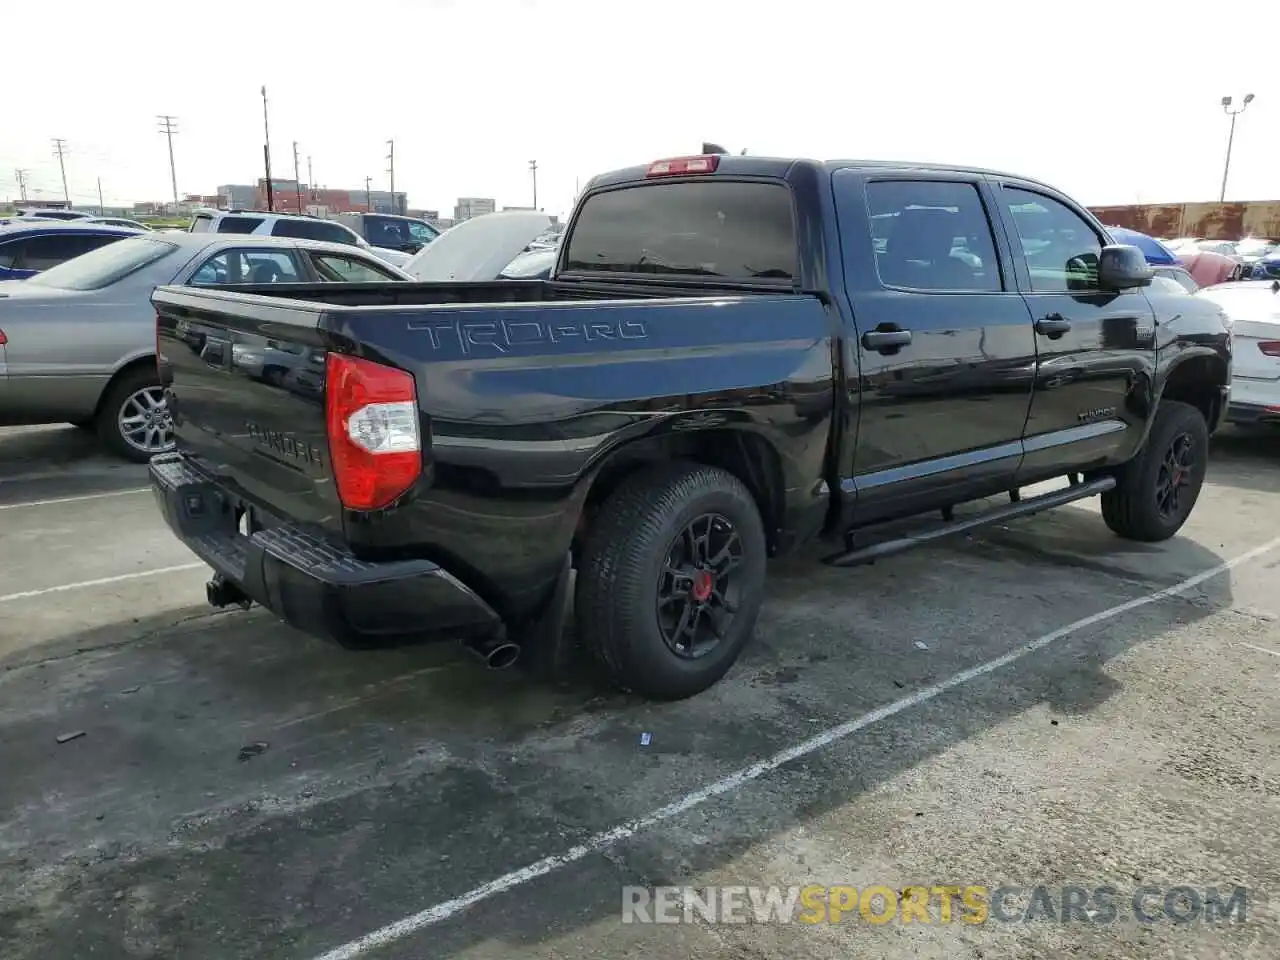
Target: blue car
[{"x": 32, "y": 247}]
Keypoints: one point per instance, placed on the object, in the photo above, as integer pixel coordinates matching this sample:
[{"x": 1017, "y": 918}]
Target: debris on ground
[
  {"x": 68, "y": 737},
  {"x": 249, "y": 751}
]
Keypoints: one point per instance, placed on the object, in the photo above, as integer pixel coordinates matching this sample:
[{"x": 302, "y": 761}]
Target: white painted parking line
[
  {"x": 1274, "y": 653},
  {"x": 443, "y": 911},
  {"x": 101, "y": 581},
  {"x": 86, "y": 496}
]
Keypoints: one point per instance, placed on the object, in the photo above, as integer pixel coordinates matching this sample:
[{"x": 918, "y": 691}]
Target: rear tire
[
  {"x": 671, "y": 580},
  {"x": 1156, "y": 491},
  {"x": 138, "y": 389}
]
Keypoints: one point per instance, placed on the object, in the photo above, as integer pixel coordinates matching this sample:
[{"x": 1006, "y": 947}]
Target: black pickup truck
[{"x": 734, "y": 356}]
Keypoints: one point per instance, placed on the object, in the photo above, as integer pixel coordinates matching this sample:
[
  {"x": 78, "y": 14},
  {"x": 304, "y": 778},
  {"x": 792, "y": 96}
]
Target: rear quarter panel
[{"x": 525, "y": 402}]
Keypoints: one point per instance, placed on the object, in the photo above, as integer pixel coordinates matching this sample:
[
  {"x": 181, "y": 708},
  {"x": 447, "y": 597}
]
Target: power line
[
  {"x": 60, "y": 147},
  {"x": 168, "y": 128}
]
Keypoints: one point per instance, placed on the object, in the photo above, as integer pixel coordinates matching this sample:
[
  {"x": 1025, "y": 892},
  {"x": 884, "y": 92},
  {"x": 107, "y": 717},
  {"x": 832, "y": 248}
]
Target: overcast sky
[{"x": 1114, "y": 103}]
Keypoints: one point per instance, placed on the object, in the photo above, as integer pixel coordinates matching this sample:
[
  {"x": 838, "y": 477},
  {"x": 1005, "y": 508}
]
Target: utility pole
[
  {"x": 22, "y": 183},
  {"x": 391, "y": 169},
  {"x": 311, "y": 183},
  {"x": 101, "y": 208},
  {"x": 533, "y": 169},
  {"x": 266, "y": 150},
  {"x": 1226, "y": 106},
  {"x": 168, "y": 128},
  {"x": 297, "y": 182},
  {"x": 60, "y": 147},
  {"x": 368, "y": 194}
]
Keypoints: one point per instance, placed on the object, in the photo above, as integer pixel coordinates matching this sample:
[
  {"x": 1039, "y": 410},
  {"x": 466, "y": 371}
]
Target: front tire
[
  {"x": 671, "y": 580},
  {"x": 133, "y": 422},
  {"x": 1157, "y": 490}
]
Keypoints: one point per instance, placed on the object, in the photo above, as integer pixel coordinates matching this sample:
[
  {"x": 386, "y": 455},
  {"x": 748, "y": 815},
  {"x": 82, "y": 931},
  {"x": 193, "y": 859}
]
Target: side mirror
[{"x": 1122, "y": 267}]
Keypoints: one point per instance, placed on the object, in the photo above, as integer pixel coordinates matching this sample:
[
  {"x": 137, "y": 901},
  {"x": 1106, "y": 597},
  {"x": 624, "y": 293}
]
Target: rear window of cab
[{"x": 735, "y": 230}]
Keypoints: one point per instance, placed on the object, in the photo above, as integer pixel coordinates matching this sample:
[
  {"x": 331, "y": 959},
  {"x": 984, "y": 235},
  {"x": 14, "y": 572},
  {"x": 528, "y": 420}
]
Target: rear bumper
[
  {"x": 1251, "y": 414},
  {"x": 312, "y": 583}
]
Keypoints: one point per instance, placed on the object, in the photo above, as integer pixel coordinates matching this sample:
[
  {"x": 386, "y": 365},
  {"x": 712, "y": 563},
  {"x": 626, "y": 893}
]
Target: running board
[{"x": 1018, "y": 508}]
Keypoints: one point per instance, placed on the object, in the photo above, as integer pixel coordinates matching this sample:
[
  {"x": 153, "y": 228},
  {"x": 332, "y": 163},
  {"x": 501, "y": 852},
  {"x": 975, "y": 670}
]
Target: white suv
[{"x": 258, "y": 223}]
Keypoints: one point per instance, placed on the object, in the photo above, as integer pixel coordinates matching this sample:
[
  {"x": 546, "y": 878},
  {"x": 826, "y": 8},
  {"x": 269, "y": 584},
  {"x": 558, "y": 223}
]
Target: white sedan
[{"x": 1254, "y": 309}]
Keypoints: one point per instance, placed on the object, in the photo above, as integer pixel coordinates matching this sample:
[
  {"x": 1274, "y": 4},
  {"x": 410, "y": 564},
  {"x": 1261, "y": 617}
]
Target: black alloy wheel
[
  {"x": 698, "y": 592},
  {"x": 1174, "y": 478}
]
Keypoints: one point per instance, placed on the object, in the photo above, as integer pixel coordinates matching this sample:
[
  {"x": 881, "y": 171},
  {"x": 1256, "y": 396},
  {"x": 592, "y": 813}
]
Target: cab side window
[
  {"x": 1061, "y": 249},
  {"x": 932, "y": 235}
]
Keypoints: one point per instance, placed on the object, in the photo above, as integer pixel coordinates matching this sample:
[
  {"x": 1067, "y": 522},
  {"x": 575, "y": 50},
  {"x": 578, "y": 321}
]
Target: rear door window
[
  {"x": 707, "y": 228},
  {"x": 238, "y": 224},
  {"x": 202, "y": 223},
  {"x": 313, "y": 230},
  {"x": 249, "y": 266},
  {"x": 932, "y": 235}
]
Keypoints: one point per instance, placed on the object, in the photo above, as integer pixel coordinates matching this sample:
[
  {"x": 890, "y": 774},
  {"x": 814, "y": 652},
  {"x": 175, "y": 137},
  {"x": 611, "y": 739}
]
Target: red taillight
[
  {"x": 1270, "y": 347},
  {"x": 372, "y": 422},
  {"x": 682, "y": 166},
  {"x": 3, "y": 339}
]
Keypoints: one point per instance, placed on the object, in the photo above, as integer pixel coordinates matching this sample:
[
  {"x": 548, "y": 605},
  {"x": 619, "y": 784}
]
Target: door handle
[
  {"x": 885, "y": 341},
  {"x": 1053, "y": 326}
]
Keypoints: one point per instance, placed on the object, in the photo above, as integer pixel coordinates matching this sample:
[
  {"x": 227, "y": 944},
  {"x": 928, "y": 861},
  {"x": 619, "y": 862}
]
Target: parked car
[
  {"x": 1254, "y": 309},
  {"x": 531, "y": 265},
  {"x": 78, "y": 341},
  {"x": 479, "y": 249},
  {"x": 400, "y": 237},
  {"x": 118, "y": 222},
  {"x": 1168, "y": 273},
  {"x": 296, "y": 226},
  {"x": 1157, "y": 253},
  {"x": 1253, "y": 249},
  {"x": 44, "y": 213},
  {"x": 28, "y": 248},
  {"x": 721, "y": 368}
]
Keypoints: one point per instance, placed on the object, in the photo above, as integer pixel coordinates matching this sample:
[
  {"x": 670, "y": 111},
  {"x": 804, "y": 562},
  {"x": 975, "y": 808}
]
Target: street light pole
[
  {"x": 266, "y": 149},
  {"x": 533, "y": 169},
  {"x": 1226, "y": 167}
]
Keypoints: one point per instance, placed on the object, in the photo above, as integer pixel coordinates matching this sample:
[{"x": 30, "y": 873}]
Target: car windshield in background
[
  {"x": 395, "y": 233},
  {"x": 710, "y": 228},
  {"x": 104, "y": 266}
]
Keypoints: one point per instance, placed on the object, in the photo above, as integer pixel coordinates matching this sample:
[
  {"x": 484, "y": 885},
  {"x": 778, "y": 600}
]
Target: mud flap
[{"x": 548, "y": 650}]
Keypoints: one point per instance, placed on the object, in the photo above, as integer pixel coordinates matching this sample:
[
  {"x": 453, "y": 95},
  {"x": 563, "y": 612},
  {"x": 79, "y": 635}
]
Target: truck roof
[{"x": 751, "y": 166}]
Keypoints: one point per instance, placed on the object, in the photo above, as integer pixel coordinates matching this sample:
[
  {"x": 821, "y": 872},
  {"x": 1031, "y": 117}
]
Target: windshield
[
  {"x": 709, "y": 228},
  {"x": 104, "y": 266}
]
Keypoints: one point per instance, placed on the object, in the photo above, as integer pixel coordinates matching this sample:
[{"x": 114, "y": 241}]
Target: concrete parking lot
[{"x": 1039, "y": 704}]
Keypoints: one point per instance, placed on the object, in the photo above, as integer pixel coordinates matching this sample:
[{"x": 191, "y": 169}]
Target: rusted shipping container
[{"x": 1213, "y": 221}]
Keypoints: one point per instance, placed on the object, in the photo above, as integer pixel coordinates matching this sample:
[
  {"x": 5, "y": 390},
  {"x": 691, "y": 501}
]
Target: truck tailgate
[{"x": 245, "y": 381}]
